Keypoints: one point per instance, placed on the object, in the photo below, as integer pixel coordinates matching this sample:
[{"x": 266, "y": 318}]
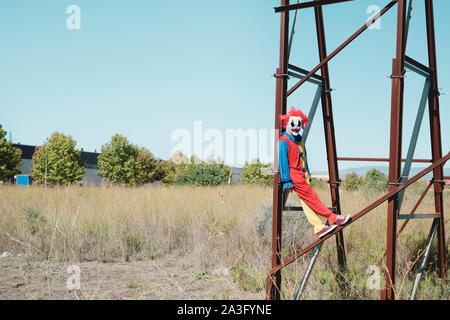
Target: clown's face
[{"x": 294, "y": 125}]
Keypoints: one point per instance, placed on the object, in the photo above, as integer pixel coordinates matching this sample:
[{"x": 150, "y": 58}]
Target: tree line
[{"x": 58, "y": 162}]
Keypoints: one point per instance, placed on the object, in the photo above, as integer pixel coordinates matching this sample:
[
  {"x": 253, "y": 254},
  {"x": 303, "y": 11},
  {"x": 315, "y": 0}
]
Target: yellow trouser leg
[{"x": 312, "y": 217}]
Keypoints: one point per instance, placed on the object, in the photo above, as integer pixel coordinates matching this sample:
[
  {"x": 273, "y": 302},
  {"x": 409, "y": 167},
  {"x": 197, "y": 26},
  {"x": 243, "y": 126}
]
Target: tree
[
  {"x": 169, "y": 169},
  {"x": 375, "y": 181},
  {"x": 64, "y": 165},
  {"x": 353, "y": 182},
  {"x": 125, "y": 163},
  {"x": 204, "y": 173},
  {"x": 257, "y": 173},
  {"x": 10, "y": 164}
]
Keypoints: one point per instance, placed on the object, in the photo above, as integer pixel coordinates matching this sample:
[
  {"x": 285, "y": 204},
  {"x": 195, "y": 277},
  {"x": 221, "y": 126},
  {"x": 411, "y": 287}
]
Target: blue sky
[{"x": 145, "y": 68}]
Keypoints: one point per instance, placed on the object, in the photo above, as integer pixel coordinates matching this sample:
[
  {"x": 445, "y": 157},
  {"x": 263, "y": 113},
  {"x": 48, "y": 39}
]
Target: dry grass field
[{"x": 186, "y": 243}]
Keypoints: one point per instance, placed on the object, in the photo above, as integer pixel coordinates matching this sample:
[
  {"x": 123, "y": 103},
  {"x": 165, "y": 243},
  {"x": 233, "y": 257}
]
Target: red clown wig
[{"x": 294, "y": 113}]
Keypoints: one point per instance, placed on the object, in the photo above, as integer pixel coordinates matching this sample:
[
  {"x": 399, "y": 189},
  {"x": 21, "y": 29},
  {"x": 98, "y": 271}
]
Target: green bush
[
  {"x": 375, "y": 182},
  {"x": 295, "y": 225},
  {"x": 249, "y": 280},
  {"x": 256, "y": 172},
  {"x": 353, "y": 182},
  {"x": 203, "y": 174}
]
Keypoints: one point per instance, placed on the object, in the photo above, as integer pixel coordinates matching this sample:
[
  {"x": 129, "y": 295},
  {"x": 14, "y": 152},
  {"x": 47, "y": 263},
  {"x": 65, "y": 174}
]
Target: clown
[{"x": 295, "y": 174}]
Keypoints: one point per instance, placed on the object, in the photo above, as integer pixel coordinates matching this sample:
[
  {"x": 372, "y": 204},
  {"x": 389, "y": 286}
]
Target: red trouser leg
[{"x": 308, "y": 195}]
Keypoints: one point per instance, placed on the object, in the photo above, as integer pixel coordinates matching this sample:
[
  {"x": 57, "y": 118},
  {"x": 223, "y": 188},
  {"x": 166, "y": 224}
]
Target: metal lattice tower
[{"x": 398, "y": 179}]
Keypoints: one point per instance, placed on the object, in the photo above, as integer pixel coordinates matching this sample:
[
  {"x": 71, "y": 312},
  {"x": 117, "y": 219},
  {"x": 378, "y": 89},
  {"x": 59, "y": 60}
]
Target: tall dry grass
[{"x": 214, "y": 224}]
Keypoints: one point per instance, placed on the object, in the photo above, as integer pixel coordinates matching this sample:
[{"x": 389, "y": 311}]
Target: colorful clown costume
[{"x": 295, "y": 175}]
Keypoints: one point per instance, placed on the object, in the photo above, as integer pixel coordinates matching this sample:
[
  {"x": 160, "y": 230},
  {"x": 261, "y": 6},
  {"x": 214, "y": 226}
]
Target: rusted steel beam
[
  {"x": 381, "y": 159},
  {"x": 395, "y": 151},
  {"x": 308, "y": 4},
  {"x": 330, "y": 140},
  {"x": 304, "y": 71},
  {"x": 273, "y": 284},
  {"x": 417, "y": 64},
  {"x": 362, "y": 213},
  {"x": 418, "y": 216},
  {"x": 435, "y": 133},
  {"x": 342, "y": 46}
]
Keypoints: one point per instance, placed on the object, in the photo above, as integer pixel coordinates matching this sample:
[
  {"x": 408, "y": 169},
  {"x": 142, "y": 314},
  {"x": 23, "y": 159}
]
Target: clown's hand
[{"x": 288, "y": 186}]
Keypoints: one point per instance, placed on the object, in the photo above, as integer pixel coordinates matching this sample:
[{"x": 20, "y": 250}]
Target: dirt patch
[{"x": 169, "y": 278}]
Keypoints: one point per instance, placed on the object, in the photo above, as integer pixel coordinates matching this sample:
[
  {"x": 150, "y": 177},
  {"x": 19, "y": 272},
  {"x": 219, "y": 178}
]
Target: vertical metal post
[
  {"x": 327, "y": 111},
  {"x": 395, "y": 154},
  {"x": 435, "y": 134},
  {"x": 273, "y": 284}
]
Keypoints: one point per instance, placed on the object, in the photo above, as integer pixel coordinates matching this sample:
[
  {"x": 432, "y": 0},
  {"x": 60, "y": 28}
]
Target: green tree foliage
[
  {"x": 375, "y": 181},
  {"x": 125, "y": 163},
  {"x": 10, "y": 164},
  {"x": 169, "y": 169},
  {"x": 64, "y": 164},
  {"x": 256, "y": 172},
  {"x": 209, "y": 173},
  {"x": 353, "y": 182}
]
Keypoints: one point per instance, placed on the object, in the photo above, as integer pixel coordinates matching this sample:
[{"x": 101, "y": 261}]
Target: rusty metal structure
[{"x": 398, "y": 179}]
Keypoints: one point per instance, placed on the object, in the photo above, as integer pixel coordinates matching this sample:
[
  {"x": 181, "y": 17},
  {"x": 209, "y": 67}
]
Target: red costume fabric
[{"x": 297, "y": 175}]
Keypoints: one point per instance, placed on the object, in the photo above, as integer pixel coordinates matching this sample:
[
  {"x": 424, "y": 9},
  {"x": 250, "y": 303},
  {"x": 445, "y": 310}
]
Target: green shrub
[
  {"x": 375, "y": 182},
  {"x": 203, "y": 174},
  {"x": 248, "y": 279},
  {"x": 134, "y": 242},
  {"x": 295, "y": 225},
  {"x": 353, "y": 182},
  {"x": 36, "y": 222},
  {"x": 256, "y": 172}
]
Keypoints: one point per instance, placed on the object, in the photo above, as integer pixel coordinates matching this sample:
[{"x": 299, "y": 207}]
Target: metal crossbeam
[
  {"x": 418, "y": 216},
  {"x": 380, "y": 159},
  {"x": 308, "y": 4}
]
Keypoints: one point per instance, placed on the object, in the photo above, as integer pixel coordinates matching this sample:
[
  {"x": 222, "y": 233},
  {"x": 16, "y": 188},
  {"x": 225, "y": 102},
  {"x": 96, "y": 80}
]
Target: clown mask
[
  {"x": 294, "y": 121},
  {"x": 294, "y": 125}
]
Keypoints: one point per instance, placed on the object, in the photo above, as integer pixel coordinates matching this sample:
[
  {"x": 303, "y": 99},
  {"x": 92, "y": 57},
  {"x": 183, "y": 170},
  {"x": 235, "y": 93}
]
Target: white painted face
[{"x": 294, "y": 125}]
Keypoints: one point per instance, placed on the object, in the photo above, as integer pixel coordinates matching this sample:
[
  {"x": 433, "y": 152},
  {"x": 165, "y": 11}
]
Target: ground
[{"x": 173, "y": 278}]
